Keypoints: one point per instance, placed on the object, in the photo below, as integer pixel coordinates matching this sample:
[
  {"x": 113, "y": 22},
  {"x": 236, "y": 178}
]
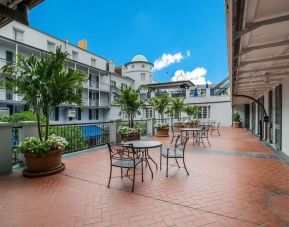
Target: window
[
  {"x": 143, "y": 76},
  {"x": 9, "y": 56},
  {"x": 18, "y": 35},
  {"x": 78, "y": 114},
  {"x": 132, "y": 66},
  {"x": 93, "y": 114},
  {"x": 50, "y": 46},
  {"x": 149, "y": 113},
  {"x": 142, "y": 65},
  {"x": 93, "y": 62},
  {"x": 54, "y": 116},
  {"x": 113, "y": 83},
  {"x": 123, "y": 86},
  {"x": 74, "y": 55},
  {"x": 204, "y": 112}
]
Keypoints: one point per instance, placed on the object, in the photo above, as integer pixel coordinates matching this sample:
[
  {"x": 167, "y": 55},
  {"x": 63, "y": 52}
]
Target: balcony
[
  {"x": 198, "y": 92},
  {"x": 94, "y": 103},
  {"x": 178, "y": 94}
]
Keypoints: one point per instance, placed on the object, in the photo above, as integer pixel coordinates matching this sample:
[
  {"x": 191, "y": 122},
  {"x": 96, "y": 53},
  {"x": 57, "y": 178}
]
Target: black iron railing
[
  {"x": 82, "y": 136},
  {"x": 176, "y": 94},
  {"x": 219, "y": 91},
  {"x": 198, "y": 92},
  {"x": 141, "y": 124},
  {"x": 15, "y": 143}
]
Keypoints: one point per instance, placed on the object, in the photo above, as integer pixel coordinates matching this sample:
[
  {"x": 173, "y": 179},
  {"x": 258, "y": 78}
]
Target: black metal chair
[
  {"x": 125, "y": 157},
  {"x": 203, "y": 134},
  {"x": 176, "y": 152},
  {"x": 215, "y": 129},
  {"x": 176, "y": 132}
]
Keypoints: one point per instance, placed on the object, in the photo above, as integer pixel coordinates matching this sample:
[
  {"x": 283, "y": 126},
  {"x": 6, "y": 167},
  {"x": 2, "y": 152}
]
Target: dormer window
[
  {"x": 74, "y": 55},
  {"x": 18, "y": 35},
  {"x": 50, "y": 46}
]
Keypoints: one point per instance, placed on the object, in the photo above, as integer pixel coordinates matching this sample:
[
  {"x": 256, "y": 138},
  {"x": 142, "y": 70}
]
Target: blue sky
[{"x": 188, "y": 34}]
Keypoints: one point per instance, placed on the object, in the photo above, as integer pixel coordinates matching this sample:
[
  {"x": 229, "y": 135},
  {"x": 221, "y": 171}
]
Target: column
[{"x": 6, "y": 148}]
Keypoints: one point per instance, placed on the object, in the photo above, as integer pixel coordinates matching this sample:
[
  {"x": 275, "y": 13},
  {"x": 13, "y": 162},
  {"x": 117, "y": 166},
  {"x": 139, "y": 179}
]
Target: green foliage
[
  {"x": 44, "y": 83},
  {"x": 160, "y": 103},
  {"x": 72, "y": 134},
  {"x": 161, "y": 125},
  {"x": 177, "y": 106},
  {"x": 140, "y": 126},
  {"x": 40, "y": 147},
  {"x": 129, "y": 102},
  {"x": 236, "y": 117},
  {"x": 21, "y": 116},
  {"x": 191, "y": 111}
]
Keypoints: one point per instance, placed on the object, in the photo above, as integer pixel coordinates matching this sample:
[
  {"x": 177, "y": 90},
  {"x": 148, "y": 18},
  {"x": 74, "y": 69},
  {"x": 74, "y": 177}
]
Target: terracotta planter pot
[
  {"x": 48, "y": 162},
  {"x": 178, "y": 126},
  {"x": 130, "y": 137},
  {"x": 163, "y": 132},
  {"x": 237, "y": 124}
]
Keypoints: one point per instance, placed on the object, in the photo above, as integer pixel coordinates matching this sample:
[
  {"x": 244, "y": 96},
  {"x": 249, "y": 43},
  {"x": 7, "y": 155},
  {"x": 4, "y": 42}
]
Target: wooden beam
[
  {"x": 264, "y": 46},
  {"x": 252, "y": 26},
  {"x": 263, "y": 69},
  {"x": 277, "y": 58}
]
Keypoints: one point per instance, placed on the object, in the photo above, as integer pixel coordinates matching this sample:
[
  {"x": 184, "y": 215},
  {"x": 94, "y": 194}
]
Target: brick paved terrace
[{"x": 237, "y": 181}]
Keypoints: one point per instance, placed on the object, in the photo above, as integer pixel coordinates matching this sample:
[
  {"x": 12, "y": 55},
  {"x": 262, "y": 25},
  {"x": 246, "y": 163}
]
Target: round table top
[
  {"x": 190, "y": 129},
  {"x": 144, "y": 144}
]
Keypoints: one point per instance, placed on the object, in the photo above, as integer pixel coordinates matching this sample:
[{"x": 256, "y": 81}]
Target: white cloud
[
  {"x": 188, "y": 53},
  {"x": 197, "y": 76},
  {"x": 166, "y": 60}
]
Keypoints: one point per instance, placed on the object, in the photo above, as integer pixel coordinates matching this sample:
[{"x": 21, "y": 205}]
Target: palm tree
[
  {"x": 130, "y": 102},
  {"x": 191, "y": 111},
  {"x": 44, "y": 83},
  {"x": 177, "y": 106},
  {"x": 160, "y": 103}
]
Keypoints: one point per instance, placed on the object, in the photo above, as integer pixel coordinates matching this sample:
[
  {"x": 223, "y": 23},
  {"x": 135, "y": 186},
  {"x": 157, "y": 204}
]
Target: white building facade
[{"x": 102, "y": 77}]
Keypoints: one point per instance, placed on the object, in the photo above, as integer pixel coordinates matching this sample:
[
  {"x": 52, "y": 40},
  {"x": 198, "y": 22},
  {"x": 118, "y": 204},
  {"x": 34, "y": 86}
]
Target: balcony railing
[
  {"x": 198, "y": 93},
  {"x": 219, "y": 91},
  {"x": 176, "y": 94},
  {"x": 93, "y": 102}
]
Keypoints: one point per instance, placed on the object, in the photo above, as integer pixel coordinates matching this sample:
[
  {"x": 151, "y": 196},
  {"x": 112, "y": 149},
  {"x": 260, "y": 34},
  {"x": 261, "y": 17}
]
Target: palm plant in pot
[
  {"x": 236, "y": 120},
  {"x": 191, "y": 111},
  {"x": 130, "y": 103},
  {"x": 44, "y": 84},
  {"x": 177, "y": 107},
  {"x": 159, "y": 104}
]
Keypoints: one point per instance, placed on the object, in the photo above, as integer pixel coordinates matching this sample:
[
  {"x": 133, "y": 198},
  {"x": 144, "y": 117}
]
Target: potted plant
[
  {"x": 130, "y": 103},
  {"x": 236, "y": 120},
  {"x": 44, "y": 83},
  {"x": 162, "y": 129},
  {"x": 128, "y": 134},
  {"x": 191, "y": 111},
  {"x": 177, "y": 107},
  {"x": 159, "y": 104}
]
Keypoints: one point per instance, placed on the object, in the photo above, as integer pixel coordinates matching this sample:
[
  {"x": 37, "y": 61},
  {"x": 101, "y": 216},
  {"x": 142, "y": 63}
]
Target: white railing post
[
  {"x": 28, "y": 129},
  {"x": 113, "y": 135},
  {"x": 6, "y": 148},
  {"x": 150, "y": 127}
]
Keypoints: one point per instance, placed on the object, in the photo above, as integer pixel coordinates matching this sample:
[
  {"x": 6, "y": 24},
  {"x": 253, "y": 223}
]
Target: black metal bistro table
[
  {"x": 145, "y": 145},
  {"x": 187, "y": 130}
]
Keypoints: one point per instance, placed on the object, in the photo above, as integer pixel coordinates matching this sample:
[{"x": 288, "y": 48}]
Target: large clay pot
[
  {"x": 178, "y": 126},
  {"x": 50, "y": 161},
  {"x": 162, "y": 132},
  {"x": 237, "y": 124},
  {"x": 130, "y": 137}
]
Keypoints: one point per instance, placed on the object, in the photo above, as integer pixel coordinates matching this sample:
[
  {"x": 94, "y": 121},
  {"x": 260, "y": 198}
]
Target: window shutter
[
  {"x": 90, "y": 114},
  {"x": 79, "y": 114},
  {"x": 56, "y": 114}
]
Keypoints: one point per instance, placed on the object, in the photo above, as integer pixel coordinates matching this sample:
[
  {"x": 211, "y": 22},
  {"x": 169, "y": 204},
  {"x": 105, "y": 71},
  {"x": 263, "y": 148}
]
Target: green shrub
[
  {"x": 140, "y": 125},
  {"x": 21, "y": 116},
  {"x": 72, "y": 134}
]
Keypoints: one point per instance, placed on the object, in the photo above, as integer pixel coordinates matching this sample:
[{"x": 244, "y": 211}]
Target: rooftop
[
  {"x": 237, "y": 181},
  {"x": 139, "y": 58}
]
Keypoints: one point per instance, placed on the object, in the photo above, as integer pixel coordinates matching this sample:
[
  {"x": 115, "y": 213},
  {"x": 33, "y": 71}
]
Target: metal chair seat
[
  {"x": 126, "y": 163},
  {"x": 173, "y": 153}
]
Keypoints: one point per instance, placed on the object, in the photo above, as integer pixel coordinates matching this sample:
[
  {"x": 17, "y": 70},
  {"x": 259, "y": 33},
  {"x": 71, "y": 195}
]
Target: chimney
[{"x": 82, "y": 44}]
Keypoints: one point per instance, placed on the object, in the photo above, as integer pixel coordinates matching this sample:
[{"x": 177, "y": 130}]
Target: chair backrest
[
  {"x": 218, "y": 125},
  {"x": 181, "y": 143},
  {"x": 120, "y": 151}
]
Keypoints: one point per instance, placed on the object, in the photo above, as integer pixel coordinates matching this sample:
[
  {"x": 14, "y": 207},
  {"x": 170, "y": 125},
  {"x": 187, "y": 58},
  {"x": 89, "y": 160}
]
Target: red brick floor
[{"x": 221, "y": 190}]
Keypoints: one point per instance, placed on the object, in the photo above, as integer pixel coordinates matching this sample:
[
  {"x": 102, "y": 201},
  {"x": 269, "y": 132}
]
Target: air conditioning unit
[
  {"x": 4, "y": 111},
  {"x": 71, "y": 113}
]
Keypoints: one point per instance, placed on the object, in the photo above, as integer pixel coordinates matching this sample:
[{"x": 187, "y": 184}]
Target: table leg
[
  {"x": 149, "y": 157},
  {"x": 147, "y": 161}
]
